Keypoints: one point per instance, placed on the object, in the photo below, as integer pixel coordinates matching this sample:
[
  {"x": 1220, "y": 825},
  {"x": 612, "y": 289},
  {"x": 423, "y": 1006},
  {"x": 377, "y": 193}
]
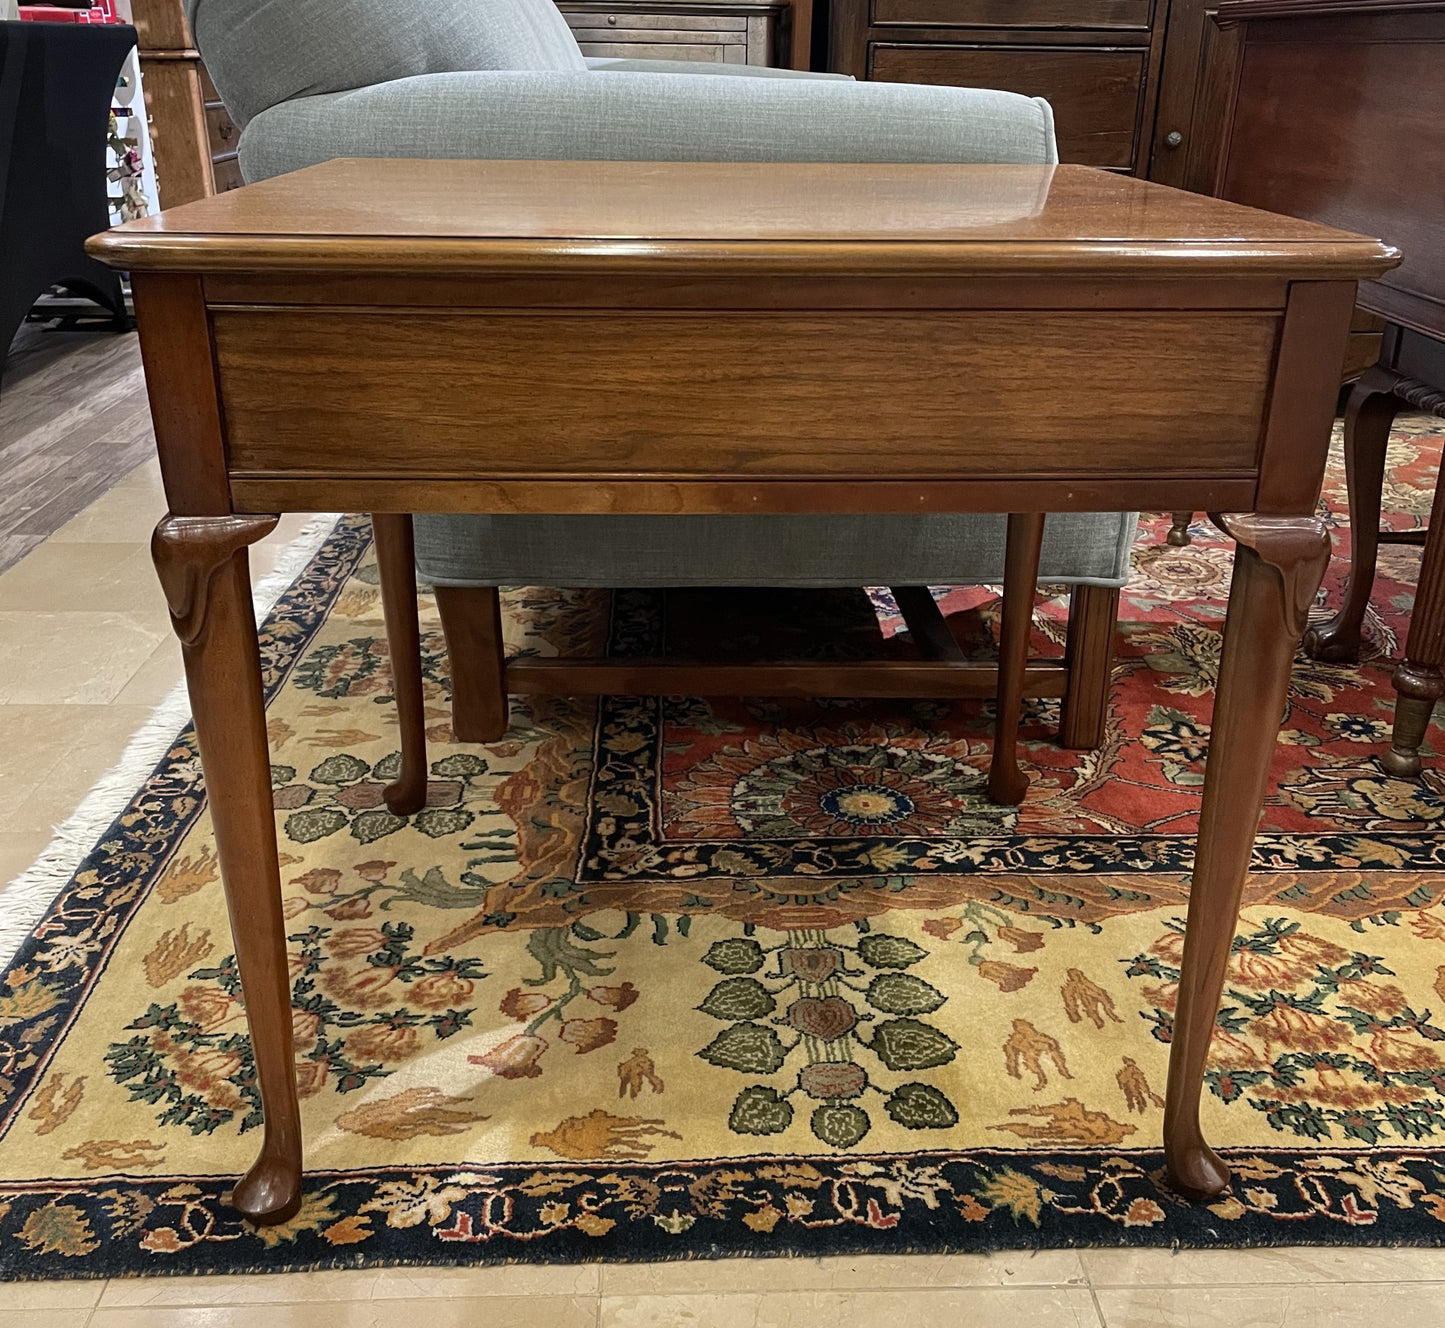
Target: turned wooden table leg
[
  {"x": 1178, "y": 534},
  {"x": 1089, "y": 649},
  {"x": 1278, "y": 565},
  {"x": 1368, "y": 416},
  {"x": 1007, "y": 784},
  {"x": 396, "y": 562},
  {"x": 472, "y": 623},
  {"x": 202, "y": 565},
  {"x": 1417, "y": 679}
]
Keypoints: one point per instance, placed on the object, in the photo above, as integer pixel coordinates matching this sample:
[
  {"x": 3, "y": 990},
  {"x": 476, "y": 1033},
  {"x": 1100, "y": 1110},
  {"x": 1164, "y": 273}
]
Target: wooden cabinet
[
  {"x": 736, "y": 32},
  {"x": 1096, "y": 61},
  {"x": 193, "y": 138}
]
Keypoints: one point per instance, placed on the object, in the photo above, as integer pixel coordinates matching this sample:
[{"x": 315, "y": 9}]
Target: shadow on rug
[{"x": 682, "y": 978}]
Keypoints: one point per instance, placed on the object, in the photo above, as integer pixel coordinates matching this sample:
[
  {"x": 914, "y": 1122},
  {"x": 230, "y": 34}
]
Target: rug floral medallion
[{"x": 665, "y": 978}]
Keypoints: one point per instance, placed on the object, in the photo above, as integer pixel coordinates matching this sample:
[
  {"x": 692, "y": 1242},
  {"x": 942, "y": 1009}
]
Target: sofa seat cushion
[
  {"x": 263, "y": 52},
  {"x": 1089, "y": 548}
]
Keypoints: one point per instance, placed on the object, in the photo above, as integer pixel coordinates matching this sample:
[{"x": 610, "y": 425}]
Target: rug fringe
[{"x": 27, "y": 898}]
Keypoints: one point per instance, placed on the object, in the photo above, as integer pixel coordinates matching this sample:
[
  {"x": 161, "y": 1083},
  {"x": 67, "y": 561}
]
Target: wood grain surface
[
  {"x": 458, "y": 217},
  {"x": 737, "y": 393}
]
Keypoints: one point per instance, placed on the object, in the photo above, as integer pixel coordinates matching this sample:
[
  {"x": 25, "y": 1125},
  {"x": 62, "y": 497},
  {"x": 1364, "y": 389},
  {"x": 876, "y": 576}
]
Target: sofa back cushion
[{"x": 263, "y": 52}]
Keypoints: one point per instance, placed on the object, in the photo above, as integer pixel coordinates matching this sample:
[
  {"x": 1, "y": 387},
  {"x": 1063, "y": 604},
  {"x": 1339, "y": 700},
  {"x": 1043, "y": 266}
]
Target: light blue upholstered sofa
[{"x": 310, "y": 80}]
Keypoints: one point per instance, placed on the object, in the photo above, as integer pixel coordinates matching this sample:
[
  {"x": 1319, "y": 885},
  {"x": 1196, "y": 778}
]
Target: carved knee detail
[{"x": 188, "y": 551}]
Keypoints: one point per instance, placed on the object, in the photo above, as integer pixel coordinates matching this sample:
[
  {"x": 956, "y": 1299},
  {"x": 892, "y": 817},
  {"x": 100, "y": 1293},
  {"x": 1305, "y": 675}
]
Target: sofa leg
[
  {"x": 1093, "y": 620},
  {"x": 472, "y": 623}
]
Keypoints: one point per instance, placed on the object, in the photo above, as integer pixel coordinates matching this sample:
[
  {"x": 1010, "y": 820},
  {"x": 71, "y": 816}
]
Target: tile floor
[{"x": 86, "y": 652}]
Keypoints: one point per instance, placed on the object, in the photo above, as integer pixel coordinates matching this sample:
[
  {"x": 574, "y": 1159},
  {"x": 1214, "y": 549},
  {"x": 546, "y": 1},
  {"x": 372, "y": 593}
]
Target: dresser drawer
[
  {"x": 593, "y": 20},
  {"x": 723, "y": 53},
  {"x": 220, "y": 129},
  {"x": 1127, "y": 14},
  {"x": 1096, "y": 94},
  {"x": 226, "y": 173}
]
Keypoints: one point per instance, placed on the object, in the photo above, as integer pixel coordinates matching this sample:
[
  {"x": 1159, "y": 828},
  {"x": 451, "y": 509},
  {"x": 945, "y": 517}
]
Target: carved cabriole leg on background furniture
[
  {"x": 396, "y": 563},
  {"x": 1178, "y": 534},
  {"x": 1089, "y": 650},
  {"x": 1278, "y": 565},
  {"x": 472, "y": 623},
  {"x": 202, "y": 564},
  {"x": 1368, "y": 416},
  {"x": 1417, "y": 678},
  {"x": 1007, "y": 784}
]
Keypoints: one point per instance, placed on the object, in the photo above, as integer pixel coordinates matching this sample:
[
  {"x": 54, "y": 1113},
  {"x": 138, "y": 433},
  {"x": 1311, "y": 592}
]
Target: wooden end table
[{"x": 514, "y": 337}]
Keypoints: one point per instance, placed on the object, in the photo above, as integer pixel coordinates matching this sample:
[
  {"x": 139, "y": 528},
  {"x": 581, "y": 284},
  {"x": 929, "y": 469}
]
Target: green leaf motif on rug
[
  {"x": 902, "y": 993},
  {"x": 921, "y": 1107},
  {"x": 910, "y": 1044},
  {"x": 737, "y": 954},
  {"x": 435, "y": 890},
  {"x": 371, "y": 826},
  {"x": 340, "y": 769},
  {"x": 760, "y": 1110},
  {"x": 738, "y": 999},
  {"x": 879, "y": 950},
  {"x": 752, "y": 1048},
  {"x": 306, "y": 827},
  {"x": 841, "y": 1126}
]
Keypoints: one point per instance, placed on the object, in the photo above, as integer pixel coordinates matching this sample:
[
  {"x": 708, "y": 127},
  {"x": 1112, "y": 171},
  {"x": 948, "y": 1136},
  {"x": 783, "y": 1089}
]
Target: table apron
[{"x": 770, "y": 394}]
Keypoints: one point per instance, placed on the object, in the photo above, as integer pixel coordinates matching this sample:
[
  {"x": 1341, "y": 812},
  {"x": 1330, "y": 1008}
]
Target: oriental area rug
[{"x": 681, "y": 978}]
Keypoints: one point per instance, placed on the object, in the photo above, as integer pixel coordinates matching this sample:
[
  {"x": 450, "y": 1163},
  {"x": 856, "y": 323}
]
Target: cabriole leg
[
  {"x": 1278, "y": 565},
  {"x": 202, "y": 565}
]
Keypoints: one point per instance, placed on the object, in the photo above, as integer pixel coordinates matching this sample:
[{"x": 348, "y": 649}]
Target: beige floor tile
[
  {"x": 1320, "y": 1305},
  {"x": 867, "y": 1273},
  {"x": 17, "y": 851},
  {"x": 128, "y": 513},
  {"x": 380, "y": 1284},
  {"x": 35, "y": 1318},
  {"x": 502, "y": 1311},
  {"x": 61, "y": 752},
  {"x": 150, "y": 684},
  {"x": 17, "y": 1296},
  {"x": 1142, "y": 1268},
  {"x": 988, "y": 1307},
  {"x": 74, "y": 658},
  {"x": 85, "y": 578}
]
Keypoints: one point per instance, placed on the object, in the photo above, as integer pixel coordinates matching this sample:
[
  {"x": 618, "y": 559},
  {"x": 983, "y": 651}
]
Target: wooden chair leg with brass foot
[
  {"x": 1007, "y": 784},
  {"x": 1089, "y": 651},
  {"x": 472, "y": 623},
  {"x": 396, "y": 562}
]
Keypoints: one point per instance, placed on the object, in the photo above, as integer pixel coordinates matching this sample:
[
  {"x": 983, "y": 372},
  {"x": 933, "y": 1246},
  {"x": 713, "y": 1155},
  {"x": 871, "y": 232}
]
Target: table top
[{"x": 376, "y": 215}]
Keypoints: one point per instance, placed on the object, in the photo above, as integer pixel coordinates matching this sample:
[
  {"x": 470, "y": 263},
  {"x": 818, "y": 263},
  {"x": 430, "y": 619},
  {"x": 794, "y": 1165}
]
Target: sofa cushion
[
  {"x": 1089, "y": 548},
  {"x": 264, "y": 52}
]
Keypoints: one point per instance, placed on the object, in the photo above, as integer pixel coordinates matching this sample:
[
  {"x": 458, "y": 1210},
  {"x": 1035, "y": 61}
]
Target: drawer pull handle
[
  {"x": 1174, "y": 139},
  {"x": 612, "y": 20}
]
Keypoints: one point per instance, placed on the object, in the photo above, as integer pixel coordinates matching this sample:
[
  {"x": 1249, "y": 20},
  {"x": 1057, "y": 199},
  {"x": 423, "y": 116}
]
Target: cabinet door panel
[{"x": 1096, "y": 94}]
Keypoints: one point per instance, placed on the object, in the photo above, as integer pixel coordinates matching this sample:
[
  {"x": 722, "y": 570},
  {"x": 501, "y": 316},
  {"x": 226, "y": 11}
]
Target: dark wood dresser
[
  {"x": 1096, "y": 61},
  {"x": 1335, "y": 112}
]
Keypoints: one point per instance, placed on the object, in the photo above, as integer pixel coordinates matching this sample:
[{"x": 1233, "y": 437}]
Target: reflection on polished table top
[
  {"x": 404, "y": 336},
  {"x": 488, "y": 214}
]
